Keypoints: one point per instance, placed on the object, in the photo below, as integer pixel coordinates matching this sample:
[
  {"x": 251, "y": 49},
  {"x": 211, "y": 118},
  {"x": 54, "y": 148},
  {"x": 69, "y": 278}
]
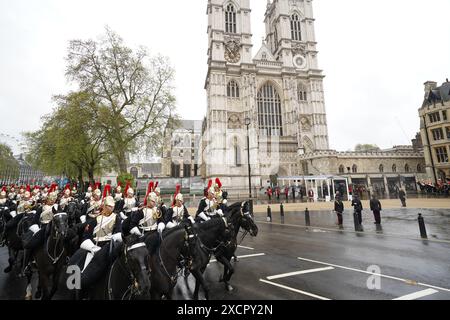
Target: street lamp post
[{"x": 247, "y": 123}]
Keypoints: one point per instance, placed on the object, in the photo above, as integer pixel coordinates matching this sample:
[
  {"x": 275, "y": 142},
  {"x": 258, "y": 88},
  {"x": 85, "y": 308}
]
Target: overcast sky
[{"x": 376, "y": 55}]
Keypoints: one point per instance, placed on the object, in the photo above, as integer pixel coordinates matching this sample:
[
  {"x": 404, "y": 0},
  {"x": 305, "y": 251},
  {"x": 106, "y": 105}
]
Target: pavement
[{"x": 292, "y": 262}]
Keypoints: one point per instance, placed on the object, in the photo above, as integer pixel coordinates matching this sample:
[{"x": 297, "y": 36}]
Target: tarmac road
[{"x": 295, "y": 263}]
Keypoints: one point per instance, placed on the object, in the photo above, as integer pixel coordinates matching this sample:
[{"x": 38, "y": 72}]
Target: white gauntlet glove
[
  {"x": 161, "y": 227},
  {"x": 34, "y": 228},
  {"x": 136, "y": 231},
  {"x": 83, "y": 219},
  {"x": 117, "y": 237},
  {"x": 170, "y": 225},
  {"x": 123, "y": 216},
  {"x": 88, "y": 245},
  {"x": 204, "y": 216}
]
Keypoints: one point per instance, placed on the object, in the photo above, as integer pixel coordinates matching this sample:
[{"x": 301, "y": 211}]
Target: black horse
[
  {"x": 173, "y": 254},
  {"x": 51, "y": 256},
  {"x": 129, "y": 276},
  {"x": 219, "y": 237},
  {"x": 239, "y": 217},
  {"x": 125, "y": 278}
]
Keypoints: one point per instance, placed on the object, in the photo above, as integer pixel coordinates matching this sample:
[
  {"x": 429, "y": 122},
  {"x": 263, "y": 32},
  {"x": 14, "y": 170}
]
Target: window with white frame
[
  {"x": 438, "y": 134},
  {"x": 442, "y": 154}
]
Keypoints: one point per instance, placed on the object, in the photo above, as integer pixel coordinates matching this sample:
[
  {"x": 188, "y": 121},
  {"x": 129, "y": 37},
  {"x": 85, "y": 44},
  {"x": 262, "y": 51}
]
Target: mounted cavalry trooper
[
  {"x": 148, "y": 222},
  {"x": 74, "y": 193},
  {"x": 36, "y": 195},
  {"x": 66, "y": 198},
  {"x": 178, "y": 212},
  {"x": 97, "y": 250},
  {"x": 92, "y": 208},
  {"x": 88, "y": 194},
  {"x": 127, "y": 205},
  {"x": 37, "y": 232},
  {"x": 44, "y": 194},
  {"x": 208, "y": 207},
  {"x": 220, "y": 196},
  {"x": 118, "y": 193}
]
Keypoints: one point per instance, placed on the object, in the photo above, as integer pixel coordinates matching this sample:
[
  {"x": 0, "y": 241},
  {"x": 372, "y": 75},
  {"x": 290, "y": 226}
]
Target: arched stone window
[
  {"x": 381, "y": 168},
  {"x": 269, "y": 111},
  {"x": 302, "y": 93},
  {"x": 341, "y": 169},
  {"x": 233, "y": 89},
  {"x": 407, "y": 168},
  {"x": 355, "y": 168},
  {"x": 394, "y": 168},
  {"x": 296, "y": 29},
  {"x": 230, "y": 19}
]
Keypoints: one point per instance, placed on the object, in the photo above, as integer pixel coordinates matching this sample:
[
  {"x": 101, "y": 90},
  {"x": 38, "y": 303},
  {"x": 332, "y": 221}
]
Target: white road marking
[
  {"x": 244, "y": 257},
  {"x": 248, "y": 248},
  {"x": 294, "y": 290},
  {"x": 286, "y": 275},
  {"x": 418, "y": 295},
  {"x": 380, "y": 275}
]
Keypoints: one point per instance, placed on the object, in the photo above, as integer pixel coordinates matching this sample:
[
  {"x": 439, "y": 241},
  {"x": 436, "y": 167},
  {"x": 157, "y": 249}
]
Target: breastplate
[{"x": 46, "y": 215}]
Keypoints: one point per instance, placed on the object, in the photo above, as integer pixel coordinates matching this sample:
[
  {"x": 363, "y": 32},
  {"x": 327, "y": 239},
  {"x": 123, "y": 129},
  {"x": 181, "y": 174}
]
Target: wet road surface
[{"x": 295, "y": 263}]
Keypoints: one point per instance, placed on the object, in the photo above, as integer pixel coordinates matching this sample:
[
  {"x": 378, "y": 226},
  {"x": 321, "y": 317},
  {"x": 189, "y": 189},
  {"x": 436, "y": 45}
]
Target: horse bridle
[
  {"x": 133, "y": 288},
  {"x": 188, "y": 237},
  {"x": 57, "y": 238}
]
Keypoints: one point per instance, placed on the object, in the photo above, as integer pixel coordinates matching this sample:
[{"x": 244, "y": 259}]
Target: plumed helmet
[
  {"x": 27, "y": 194},
  {"x": 90, "y": 189},
  {"x": 109, "y": 201},
  {"x": 179, "y": 197},
  {"x": 158, "y": 190},
  {"x": 130, "y": 192},
  {"x": 53, "y": 196},
  {"x": 3, "y": 193},
  {"x": 98, "y": 193},
  {"x": 152, "y": 197}
]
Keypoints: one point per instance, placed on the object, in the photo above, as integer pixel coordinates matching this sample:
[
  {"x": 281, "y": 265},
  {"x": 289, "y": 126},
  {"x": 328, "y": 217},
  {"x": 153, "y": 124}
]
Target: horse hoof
[{"x": 28, "y": 297}]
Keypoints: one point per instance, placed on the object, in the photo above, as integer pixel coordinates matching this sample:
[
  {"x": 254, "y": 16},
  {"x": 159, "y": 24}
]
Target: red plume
[
  {"x": 177, "y": 191},
  {"x": 67, "y": 187},
  {"x": 106, "y": 191},
  {"x": 28, "y": 188},
  {"x": 4, "y": 189},
  {"x": 149, "y": 190},
  {"x": 156, "y": 185},
  {"x": 218, "y": 183},
  {"x": 127, "y": 187},
  {"x": 210, "y": 184}
]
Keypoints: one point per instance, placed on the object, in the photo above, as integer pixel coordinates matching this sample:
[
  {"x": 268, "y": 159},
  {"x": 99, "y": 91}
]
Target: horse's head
[
  {"x": 246, "y": 221},
  {"x": 61, "y": 223},
  {"x": 137, "y": 259}
]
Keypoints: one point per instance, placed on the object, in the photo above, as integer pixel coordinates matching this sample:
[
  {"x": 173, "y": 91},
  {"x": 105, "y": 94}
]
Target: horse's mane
[
  {"x": 169, "y": 232},
  {"x": 208, "y": 225}
]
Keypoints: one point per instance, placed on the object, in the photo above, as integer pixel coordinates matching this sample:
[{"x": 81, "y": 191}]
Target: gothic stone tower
[{"x": 279, "y": 90}]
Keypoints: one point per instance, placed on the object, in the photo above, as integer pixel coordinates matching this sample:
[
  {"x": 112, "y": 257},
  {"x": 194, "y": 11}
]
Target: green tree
[
  {"x": 367, "y": 148},
  {"x": 68, "y": 142},
  {"x": 133, "y": 89},
  {"x": 9, "y": 167}
]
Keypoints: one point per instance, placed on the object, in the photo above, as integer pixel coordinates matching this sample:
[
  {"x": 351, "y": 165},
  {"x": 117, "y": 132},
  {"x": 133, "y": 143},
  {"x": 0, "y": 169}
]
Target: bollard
[
  {"x": 307, "y": 218},
  {"x": 423, "y": 230},
  {"x": 282, "y": 213},
  {"x": 269, "y": 214}
]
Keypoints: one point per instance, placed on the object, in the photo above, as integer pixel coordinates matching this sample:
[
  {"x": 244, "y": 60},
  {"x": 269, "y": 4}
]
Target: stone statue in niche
[
  {"x": 306, "y": 125},
  {"x": 234, "y": 122}
]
